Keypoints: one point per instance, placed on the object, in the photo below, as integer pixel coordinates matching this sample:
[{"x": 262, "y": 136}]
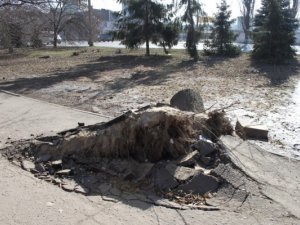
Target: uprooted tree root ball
[
  {"x": 162, "y": 148},
  {"x": 146, "y": 136}
]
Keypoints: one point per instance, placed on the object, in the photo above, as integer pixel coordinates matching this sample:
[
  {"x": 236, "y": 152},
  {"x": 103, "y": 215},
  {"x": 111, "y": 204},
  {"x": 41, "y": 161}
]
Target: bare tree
[
  {"x": 59, "y": 14},
  {"x": 247, "y": 10},
  {"x": 17, "y": 25},
  {"x": 6, "y": 3}
]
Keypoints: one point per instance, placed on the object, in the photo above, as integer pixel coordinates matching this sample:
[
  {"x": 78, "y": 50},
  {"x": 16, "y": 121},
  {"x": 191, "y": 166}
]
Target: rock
[
  {"x": 250, "y": 130},
  {"x": 69, "y": 186},
  {"x": 57, "y": 181},
  {"x": 57, "y": 163},
  {"x": 75, "y": 54},
  {"x": 204, "y": 146},
  {"x": 64, "y": 172},
  {"x": 163, "y": 179},
  {"x": 118, "y": 51},
  {"x": 40, "y": 167},
  {"x": 200, "y": 184},
  {"x": 95, "y": 109},
  {"x": 81, "y": 190},
  {"x": 43, "y": 158},
  {"x": 80, "y": 124},
  {"x": 51, "y": 171},
  {"x": 42, "y": 176},
  {"x": 50, "y": 204},
  {"x": 28, "y": 165},
  {"x": 190, "y": 159},
  {"x": 181, "y": 173},
  {"x": 45, "y": 57},
  {"x": 188, "y": 100}
]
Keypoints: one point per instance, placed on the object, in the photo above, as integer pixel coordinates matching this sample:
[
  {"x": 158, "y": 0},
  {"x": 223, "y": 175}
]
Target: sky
[{"x": 209, "y": 5}]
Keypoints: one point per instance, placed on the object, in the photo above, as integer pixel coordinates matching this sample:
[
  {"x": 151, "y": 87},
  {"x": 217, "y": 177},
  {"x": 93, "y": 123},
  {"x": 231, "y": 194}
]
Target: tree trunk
[
  {"x": 90, "y": 42},
  {"x": 10, "y": 49},
  {"x": 147, "y": 47},
  {"x": 192, "y": 39},
  {"x": 146, "y": 28},
  {"x": 165, "y": 49},
  {"x": 55, "y": 38}
]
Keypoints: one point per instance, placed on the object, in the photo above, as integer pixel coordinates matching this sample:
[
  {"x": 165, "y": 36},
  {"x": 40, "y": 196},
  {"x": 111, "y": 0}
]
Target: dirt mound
[{"x": 188, "y": 100}]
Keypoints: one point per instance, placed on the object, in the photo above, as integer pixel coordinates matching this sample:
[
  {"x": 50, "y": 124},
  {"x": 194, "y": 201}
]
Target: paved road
[
  {"x": 26, "y": 200},
  {"x": 21, "y": 117}
]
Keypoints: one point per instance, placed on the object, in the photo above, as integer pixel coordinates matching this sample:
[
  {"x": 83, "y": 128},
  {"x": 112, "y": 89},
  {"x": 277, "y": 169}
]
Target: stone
[
  {"x": 200, "y": 184},
  {"x": 43, "y": 158},
  {"x": 188, "y": 100},
  {"x": 81, "y": 190},
  {"x": 50, "y": 204},
  {"x": 57, "y": 163},
  {"x": 190, "y": 159},
  {"x": 40, "y": 167},
  {"x": 181, "y": 173},
  {"x": 69, "y": 186},
  {"x": 45, "y": 57},
  {"x": 57, "y": 181},
  {"x": 64, "y": 172},
  {"x": 28, "y": 165},
  {"x": 250, "y": 130},
  {"x": 95, "y": 109}
]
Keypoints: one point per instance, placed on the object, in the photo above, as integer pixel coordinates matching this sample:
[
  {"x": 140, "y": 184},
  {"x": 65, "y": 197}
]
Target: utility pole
[{"x": 90, "y": 42}]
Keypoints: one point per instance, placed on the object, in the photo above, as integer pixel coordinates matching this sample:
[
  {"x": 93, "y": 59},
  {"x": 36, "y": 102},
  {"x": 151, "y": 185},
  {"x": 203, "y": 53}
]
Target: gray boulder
[{"x": 188, "y": 100}]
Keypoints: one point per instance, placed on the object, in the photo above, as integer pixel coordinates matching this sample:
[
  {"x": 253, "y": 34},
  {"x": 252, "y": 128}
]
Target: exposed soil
[{"x": 102, "y": 81}]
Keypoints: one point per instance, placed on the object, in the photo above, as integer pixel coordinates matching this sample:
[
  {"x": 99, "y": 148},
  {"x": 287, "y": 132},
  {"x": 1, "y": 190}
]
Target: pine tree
[
  {"x": 274, "y": 32},
  {"x": 140, "y": 23},
  {"x": 221, "y": 36}
]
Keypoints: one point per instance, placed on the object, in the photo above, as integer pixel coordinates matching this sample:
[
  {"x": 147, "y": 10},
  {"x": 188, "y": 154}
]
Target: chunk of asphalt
[{"x": 200, "y": 184}]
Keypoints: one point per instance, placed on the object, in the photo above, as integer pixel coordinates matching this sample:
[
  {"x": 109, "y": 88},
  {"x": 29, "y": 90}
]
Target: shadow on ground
[
  {"x": 277, "y": 74},
  {"x": 93, "y": 71}
]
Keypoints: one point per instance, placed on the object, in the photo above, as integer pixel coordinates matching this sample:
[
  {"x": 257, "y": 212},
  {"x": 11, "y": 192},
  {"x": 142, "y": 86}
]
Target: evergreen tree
[
  {"x": 140, "y": 22},
  {"x": 221, "y": 36},
  {"x": 274, "y": 32}
]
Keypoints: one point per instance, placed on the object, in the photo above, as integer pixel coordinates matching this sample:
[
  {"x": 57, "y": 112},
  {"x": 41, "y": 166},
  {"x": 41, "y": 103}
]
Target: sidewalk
[{"x": 22, "y": 117}]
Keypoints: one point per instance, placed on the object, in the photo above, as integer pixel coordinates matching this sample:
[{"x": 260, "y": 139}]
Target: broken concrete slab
[
  {"x": 204, "y": 146},
  {"x": 64, "y": 172},
  {"x": 82, "y": 190},
  {"x": 200, "y": 184},
  {"x": 181, "y": 173},
  {"x": 40, "y": 167},
  {"x": 163, "y": 179},
  {"x": 69, "y": 185},
  {"x": 28, "y": 165},
  {"x": 56, "y": 163},
  {"x": 247, "y": 129},
  {"x": 43, "y": 158},
  {"x": 190, "y": 159}
]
